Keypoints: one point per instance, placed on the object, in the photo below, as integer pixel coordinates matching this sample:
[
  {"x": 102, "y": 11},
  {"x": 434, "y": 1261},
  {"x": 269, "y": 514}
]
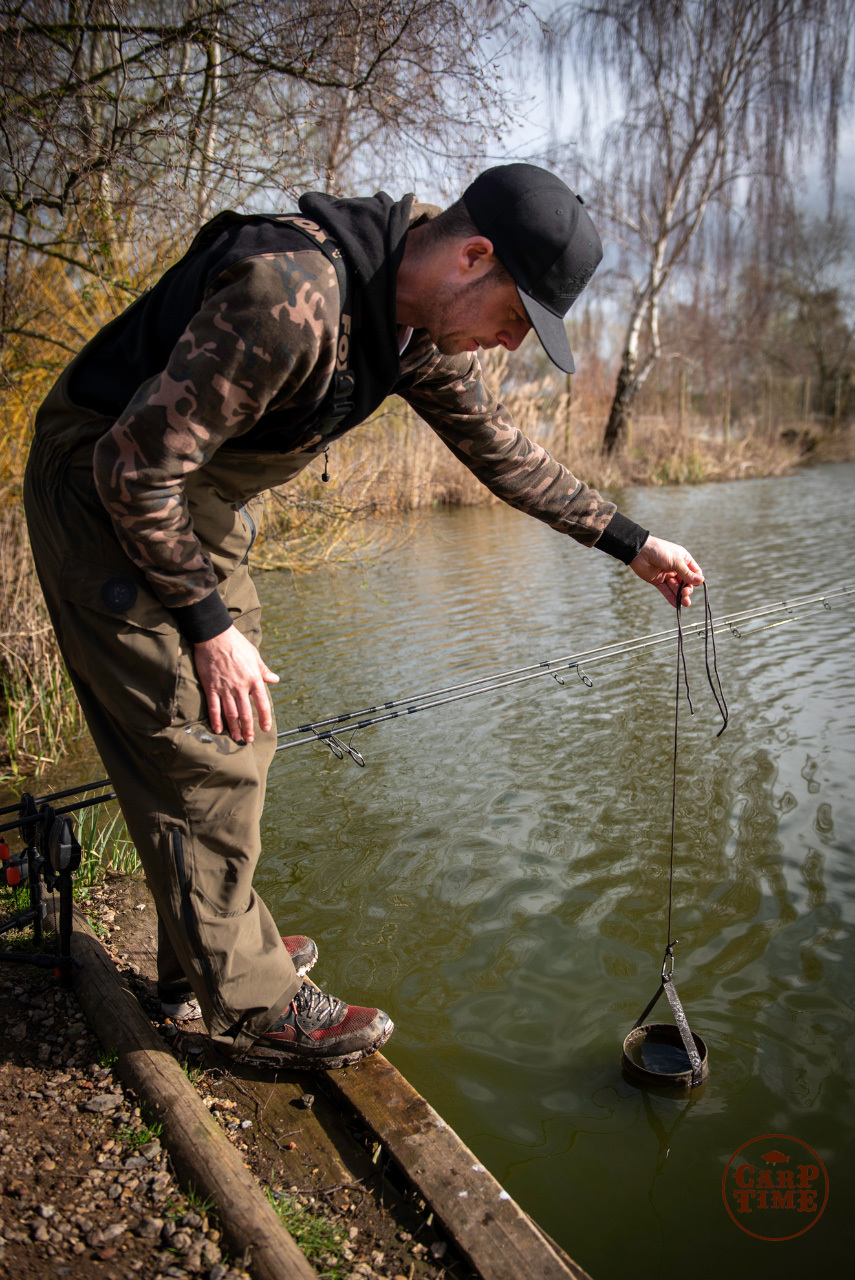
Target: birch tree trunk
[
  {"x": 714, "y": 101},
  {"x": 626, "y": 389}
]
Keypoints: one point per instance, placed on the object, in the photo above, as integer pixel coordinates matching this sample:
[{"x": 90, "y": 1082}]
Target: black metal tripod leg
[{"x": 66, "y": 926}]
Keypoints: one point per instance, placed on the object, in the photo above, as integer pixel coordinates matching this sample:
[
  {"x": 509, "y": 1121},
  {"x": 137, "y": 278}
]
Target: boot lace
[{"x": 316, "y": 1006}]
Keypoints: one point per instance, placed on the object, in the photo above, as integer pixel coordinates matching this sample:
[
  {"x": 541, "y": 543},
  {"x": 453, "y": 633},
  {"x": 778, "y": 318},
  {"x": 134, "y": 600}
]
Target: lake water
[{"x": 496, "y": 876}]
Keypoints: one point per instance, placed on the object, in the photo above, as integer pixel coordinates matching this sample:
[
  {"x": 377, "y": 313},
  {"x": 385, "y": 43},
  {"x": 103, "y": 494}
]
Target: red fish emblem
[{"x": 775, "y": 1157}]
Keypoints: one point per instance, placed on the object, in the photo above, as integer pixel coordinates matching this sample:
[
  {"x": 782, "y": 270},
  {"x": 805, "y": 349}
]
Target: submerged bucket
[{"x": 654, "y": 1054}]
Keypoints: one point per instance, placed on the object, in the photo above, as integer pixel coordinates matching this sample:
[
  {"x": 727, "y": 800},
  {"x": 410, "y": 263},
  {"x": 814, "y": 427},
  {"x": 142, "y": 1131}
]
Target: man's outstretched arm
[{"x": 450, "y": 394}]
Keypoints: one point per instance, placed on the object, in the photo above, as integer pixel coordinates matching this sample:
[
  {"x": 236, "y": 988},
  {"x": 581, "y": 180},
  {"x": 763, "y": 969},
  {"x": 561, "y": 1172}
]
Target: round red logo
[{"x": 775, "y": 1187}]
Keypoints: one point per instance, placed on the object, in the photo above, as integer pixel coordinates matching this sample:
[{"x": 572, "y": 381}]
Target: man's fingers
[
  {"x": 231, "y": 715},
  {"x": 670, "y": 569},
  {"x": 690, "y": 571},
  {"x": 245, "y": 721},
  {"x": 235, "y": 680},
  {"x": 669, "y": 591},
  {"x": 214, "y": 711},
  {"x": 261, "y": 698}
]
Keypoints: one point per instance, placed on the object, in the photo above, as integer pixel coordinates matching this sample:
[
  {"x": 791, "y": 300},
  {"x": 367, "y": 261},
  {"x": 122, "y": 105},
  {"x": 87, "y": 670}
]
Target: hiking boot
[
  {"x": 302, "y": 950},
  {"x": 319, "y": 1032}
]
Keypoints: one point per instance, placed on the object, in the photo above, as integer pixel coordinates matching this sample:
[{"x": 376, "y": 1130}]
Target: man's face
[{"x": 480, "y": 313}]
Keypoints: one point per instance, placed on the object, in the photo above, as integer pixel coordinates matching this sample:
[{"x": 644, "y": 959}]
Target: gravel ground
[
  {"x": 85, "y": 1188},
  {"x": 87, "y": 1191}
]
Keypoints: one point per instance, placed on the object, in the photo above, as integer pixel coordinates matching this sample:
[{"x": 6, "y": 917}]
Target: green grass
[
  {"x": 105, "y": 846},
  {"x": 191, "y": 1202},
  {"x": 203, "y": 1205},
  {"x": 193, "y": 1074},
  {"x": 134, "y": 1138},
  {"x": 313, "y": 1234}
]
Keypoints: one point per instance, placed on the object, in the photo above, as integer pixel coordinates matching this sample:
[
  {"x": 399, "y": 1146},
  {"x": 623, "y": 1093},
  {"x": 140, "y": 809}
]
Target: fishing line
[{"x": 661, "y": 1038}]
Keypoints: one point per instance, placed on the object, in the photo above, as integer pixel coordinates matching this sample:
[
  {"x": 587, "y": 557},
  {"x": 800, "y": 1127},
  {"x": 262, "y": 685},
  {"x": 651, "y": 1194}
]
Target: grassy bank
[{"x": 382, "y": 475}]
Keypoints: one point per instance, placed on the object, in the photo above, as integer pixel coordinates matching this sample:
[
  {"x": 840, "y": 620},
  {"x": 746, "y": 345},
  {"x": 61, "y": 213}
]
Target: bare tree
[
  {"x": 125, "y": 122},
  {"x": 810, "y": 330},
  {"x": 716, "y": 101}
]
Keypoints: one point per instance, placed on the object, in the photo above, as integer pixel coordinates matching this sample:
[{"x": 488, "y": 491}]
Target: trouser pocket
[{"x": 118, "y": 638}]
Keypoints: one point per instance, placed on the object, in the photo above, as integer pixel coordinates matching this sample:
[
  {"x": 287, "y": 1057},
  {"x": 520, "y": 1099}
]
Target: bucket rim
[{"x": 670, "y": 1034}]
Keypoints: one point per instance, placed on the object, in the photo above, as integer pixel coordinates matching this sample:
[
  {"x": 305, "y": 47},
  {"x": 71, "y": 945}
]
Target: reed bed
[
  {"x": 105, "y": 845},
  {"x": 40, "y": 710}
]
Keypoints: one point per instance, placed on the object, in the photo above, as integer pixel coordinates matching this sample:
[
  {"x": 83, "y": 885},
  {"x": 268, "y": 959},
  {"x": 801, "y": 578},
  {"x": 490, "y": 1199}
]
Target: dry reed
[{"x": 41, "y": 712}]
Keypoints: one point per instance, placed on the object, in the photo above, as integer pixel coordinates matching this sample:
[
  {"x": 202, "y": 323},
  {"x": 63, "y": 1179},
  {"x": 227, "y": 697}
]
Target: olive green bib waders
[{"x": 192, "y": 800}]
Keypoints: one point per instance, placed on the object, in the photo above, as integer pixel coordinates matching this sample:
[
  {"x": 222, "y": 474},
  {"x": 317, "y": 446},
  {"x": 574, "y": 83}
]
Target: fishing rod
[
  {"x": 29, "y": 815},
  {"x": 60, "y": 795},
  {"x": 352, "y": 721}
]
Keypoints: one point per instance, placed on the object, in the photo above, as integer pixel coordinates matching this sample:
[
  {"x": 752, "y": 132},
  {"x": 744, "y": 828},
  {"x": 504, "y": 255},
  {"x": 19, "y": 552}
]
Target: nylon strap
[{"x": 685, "y": 1033}]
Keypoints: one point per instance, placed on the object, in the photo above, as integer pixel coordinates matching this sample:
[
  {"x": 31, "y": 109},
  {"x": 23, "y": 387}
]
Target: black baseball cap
[{"x": 545, "y": 240}]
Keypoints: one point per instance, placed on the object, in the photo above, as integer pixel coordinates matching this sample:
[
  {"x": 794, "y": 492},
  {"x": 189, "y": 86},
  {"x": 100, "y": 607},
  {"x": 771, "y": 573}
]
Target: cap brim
[{"x": 550, "y": 329}]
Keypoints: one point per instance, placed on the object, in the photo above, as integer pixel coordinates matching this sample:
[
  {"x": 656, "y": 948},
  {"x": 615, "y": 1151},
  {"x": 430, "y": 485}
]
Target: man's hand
[
  {"x": 665, "y": 566},
  {"x": 233, "y": 677}
]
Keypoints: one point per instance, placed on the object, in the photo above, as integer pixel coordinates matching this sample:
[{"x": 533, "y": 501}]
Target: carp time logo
[{"x": 775, "y": 1187}]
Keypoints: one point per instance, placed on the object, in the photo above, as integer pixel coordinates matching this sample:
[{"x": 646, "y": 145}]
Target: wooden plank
[
  {"x": 202, "y": 1155},
  {"x": 323, "y": 1141},
  {"x": 486, "y": 1226},
  {"x": 493, "y": 1233}
]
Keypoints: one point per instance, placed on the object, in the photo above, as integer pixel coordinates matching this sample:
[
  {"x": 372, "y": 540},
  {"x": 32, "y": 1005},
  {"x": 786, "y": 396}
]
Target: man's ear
[{"x": 475, "y": 259}]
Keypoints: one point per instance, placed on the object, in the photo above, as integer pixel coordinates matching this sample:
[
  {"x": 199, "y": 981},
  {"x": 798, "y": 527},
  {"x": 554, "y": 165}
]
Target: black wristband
[
  {"x": 622, "y": 538},
  {"x": 204, "y": 619}
]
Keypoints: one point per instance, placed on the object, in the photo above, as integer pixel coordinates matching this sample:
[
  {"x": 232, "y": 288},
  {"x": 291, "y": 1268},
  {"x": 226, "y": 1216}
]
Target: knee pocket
[{"x": 214, "y": 878}]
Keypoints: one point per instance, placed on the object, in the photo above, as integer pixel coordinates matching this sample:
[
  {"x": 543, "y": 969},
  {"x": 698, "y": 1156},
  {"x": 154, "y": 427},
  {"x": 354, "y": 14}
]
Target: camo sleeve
[
  {"x": 264, "y": 338},
  {"x": 450, "y": 394}
]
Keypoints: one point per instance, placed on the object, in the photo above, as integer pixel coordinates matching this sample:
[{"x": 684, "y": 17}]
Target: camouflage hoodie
[{"x": 237, "y": 355}]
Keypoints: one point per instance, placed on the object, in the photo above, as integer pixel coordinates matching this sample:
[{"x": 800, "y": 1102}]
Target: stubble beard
[{"x": 451, "y": 311}]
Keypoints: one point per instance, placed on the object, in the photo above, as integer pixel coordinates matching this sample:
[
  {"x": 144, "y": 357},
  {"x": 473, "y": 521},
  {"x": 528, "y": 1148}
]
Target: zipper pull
[{"x": 326, "y": 472}]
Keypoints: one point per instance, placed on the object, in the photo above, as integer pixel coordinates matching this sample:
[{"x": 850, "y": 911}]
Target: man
[{"x": 267, "y": 341}]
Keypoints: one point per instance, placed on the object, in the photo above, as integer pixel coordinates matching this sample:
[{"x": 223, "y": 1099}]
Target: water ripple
[{"x": 498, "y": 874}]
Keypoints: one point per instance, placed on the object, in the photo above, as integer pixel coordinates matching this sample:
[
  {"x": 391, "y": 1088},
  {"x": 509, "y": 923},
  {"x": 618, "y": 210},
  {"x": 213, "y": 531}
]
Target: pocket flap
[{"x": 122, "y": 593}]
